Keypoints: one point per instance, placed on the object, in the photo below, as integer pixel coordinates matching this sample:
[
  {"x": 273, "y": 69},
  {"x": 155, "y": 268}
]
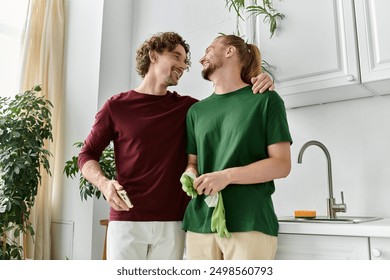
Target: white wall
[
  {"x": 97, "y": 57},
  {"x": 82, "y": 66},
  {"x": 99, "y": 64},
  {"x": 116, "y": 49}
]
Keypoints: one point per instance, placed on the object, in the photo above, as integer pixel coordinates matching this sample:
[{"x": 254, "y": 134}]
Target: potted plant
[
  {"x": 25, "y": 127},
  {"x": 107, "y": 164}
]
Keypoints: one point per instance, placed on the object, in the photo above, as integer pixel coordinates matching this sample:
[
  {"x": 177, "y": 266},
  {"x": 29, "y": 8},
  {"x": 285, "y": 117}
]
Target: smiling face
[
  {"x": 163, "y": 46},
  {"x": 213, "y": 58},
  {"x": 170, "y": 65}
]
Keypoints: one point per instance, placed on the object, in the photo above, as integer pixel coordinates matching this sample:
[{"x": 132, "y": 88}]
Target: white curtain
[{"x": 42, "y": 64}]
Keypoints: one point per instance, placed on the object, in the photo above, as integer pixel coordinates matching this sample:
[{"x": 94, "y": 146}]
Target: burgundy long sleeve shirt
[{"x": 148, "y": 133}]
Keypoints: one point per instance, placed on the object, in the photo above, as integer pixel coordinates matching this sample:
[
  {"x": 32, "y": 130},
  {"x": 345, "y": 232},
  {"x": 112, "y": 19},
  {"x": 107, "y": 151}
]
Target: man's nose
[
  {"x": 201, "y": 60},
  {"x": 183, "y": 67}
]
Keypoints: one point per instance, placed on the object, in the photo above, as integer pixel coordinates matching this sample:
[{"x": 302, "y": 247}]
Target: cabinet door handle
[
  {"x": 376, "y": 252},
  {"x": 350, "y": 78}
]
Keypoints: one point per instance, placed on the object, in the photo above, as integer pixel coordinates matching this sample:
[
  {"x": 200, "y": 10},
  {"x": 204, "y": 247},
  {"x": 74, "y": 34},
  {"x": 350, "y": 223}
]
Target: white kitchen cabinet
[
  {"x": 322, "y": 247},
  {"x": 372, "y": 23},
  {"x": 380, "y": 248},
  {"x": 332, "y": 241},
  {"x": 315, "y": 51}
]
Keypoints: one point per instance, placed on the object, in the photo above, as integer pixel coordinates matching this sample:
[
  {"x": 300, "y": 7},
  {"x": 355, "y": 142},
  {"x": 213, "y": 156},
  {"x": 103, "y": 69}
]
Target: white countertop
[{"x": 379, "y": 228}]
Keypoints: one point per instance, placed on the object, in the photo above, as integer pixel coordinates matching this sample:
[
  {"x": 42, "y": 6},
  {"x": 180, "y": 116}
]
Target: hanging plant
[
  {"x": 270, "y": 14},
  {"x": 25, "y": 126}
]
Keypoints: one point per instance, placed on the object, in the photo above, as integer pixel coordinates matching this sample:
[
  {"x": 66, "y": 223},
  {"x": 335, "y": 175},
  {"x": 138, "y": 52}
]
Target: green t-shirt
[{"x": 231, "y": 130}]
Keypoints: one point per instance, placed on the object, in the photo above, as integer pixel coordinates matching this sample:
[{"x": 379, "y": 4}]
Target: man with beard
[
  {"x": 238, "y": 143},
  {"x": 147, "y": 127}
]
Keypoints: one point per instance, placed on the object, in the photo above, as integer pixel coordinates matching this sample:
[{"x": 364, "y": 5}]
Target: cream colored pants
[
  {"x": 145, "y": 241},
  {"x": 252, "y": 245}
]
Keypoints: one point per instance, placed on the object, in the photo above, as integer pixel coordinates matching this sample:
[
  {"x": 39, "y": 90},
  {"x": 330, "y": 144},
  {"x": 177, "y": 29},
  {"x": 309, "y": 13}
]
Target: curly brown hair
[{"x": 160, "y": 42}]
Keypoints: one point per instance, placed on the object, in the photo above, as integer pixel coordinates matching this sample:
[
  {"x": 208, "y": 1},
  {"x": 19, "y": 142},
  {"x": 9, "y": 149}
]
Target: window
[{"x": 12, "y": 19}]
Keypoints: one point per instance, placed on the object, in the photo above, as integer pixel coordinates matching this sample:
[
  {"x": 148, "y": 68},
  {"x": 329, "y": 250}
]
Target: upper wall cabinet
[
  {"x": 372, "y": 21},
  {"x": 315, "y": 53}
]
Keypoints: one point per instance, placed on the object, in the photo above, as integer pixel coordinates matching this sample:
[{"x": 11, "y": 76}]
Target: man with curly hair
[{"x": 147, "y": 126}]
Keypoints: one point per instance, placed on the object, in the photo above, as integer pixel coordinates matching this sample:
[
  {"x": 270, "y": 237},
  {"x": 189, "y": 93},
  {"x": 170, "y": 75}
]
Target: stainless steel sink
[{"x": 324, "y": 219}]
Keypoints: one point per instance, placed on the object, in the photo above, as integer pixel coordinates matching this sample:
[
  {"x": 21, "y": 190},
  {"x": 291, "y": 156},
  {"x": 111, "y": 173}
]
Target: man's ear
[
  {"x": 230, "y": 50},
  {"x": 153, "y": 56}
]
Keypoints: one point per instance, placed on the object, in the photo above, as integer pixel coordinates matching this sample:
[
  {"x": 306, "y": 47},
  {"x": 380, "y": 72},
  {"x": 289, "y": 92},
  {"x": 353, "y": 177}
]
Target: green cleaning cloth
[
  {"x": 218, "y": 221},
  {"x": 187, "y": 184}
]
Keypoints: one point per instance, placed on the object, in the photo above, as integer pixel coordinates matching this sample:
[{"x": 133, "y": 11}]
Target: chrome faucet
[{"x": 332, "y": 206}]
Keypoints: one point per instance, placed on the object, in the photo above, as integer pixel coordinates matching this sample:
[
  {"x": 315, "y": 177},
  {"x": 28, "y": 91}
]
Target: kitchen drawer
[
  {"x": 380, "y": 248},
  {"x": 322, "y": 247}
]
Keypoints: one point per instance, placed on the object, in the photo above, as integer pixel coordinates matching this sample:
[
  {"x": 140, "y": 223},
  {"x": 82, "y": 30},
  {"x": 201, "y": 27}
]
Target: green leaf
[
  {"x": 266, "y": 9},
  {"x": 25, "y": 129},
  {"x": 107, "y": 164},
  {"x": 16, "y": 233}
]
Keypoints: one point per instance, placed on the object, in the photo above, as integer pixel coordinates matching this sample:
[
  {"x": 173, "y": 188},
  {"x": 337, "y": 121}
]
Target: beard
[
  {"x": 210, "y": 69},
  {"x": 207, "y": 72},
  {"x": 171, "y": 81}
]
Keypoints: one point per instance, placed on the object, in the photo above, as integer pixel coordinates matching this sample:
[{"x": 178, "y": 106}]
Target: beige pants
[
  {"x": 145, "y": 241},
  {"x": 252, "y": 245}
]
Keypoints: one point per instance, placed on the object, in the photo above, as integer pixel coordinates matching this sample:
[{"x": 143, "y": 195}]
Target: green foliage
[
  {"x": 25, "y": 126},
  {"x": 255, "y": 10},
  {"x": 107, "y": 164},
  {"x": 10, "y": 250},
  {"x": 237, "y": 5},
  {"x": 266, "y": 9},
  {"x": 269, "y": 13}
]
